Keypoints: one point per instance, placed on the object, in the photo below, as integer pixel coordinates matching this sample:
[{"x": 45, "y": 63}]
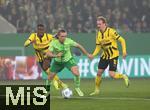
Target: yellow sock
[
  {"x": 56, "y": 78},
  {"x": 60, "y": 83},
  {"x": 118, "y": 76},
  {"x": 48, "y": 71},
  {"x": 98, "y": 81}
]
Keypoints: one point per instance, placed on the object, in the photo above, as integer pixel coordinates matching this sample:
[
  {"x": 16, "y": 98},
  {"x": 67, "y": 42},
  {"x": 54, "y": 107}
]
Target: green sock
[
  {"x": 77, "y": 81},
  {"x": 48, "y": 85}
]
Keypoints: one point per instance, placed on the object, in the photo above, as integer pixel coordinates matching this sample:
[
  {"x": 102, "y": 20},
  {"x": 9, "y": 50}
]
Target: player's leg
[
  {"x": 101, "y": 67},
  {"x": 72, "y": 66},
  {"x": 48, "y": 87},
  {"x": 98, "y": 80},
  {"x": 117, "y": 75},
  {"x": 76, "y": 73},
  {"x": 46, "y": 67},
  {"x": 56, "y": 67},
  {"x": 56, "y": 81},
  {"x": 47, "y": 81}
]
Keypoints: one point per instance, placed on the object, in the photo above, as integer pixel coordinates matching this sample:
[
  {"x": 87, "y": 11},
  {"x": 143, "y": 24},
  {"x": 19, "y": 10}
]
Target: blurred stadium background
[{"x": 131, "y": 18}]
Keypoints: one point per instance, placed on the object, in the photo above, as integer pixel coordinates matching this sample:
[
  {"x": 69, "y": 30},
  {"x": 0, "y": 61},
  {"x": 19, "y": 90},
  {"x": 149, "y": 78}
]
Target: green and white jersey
[{"x": 56, "y": 47}]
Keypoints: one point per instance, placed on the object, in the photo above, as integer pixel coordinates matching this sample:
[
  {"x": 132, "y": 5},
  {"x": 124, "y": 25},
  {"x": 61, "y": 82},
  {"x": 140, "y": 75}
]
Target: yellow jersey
[
  {"x": 41, "y": 44},
  {"x": 107, "y": 41}
]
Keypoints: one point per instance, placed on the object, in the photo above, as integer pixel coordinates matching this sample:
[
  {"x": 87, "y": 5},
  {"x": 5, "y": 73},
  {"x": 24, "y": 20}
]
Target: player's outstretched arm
[
  {"x": 97, "y": 50},
  {"x": 123, "y": 44},
  {"x": 83, "y": 50},
  {"x": 50, "y": 54},
  {"x": 30, "y": 40},
  {"x": 27, "y": 43}
]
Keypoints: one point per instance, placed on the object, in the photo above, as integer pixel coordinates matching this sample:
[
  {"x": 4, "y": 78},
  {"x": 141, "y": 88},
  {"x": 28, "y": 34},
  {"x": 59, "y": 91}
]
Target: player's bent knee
[
  {"x": 100, "y": 72},
  {"x": 45, "y": 68},
  {"x": 75, "y": 70},
  {"x": 111, "y": 74},
  {"x": 51, "y": 76}
]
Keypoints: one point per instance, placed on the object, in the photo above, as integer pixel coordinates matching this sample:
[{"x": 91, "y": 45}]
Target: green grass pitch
[{"x": 113, "y": 96}]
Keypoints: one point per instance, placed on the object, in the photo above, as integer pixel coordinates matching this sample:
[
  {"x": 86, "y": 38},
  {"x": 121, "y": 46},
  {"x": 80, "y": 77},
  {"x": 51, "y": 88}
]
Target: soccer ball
[{"x": 66, "y": 93}]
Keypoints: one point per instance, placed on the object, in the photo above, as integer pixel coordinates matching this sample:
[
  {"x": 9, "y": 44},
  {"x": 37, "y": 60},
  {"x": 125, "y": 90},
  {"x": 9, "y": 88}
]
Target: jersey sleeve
[
  {"x": 50, "y": 37},
  {"x": 114, "y": 34},
  {"x": 97, "y": 41},
  {"x": 30, "y": 40},
  {"x": 32, "y": 37},
  {"x": 51, "y": 46},
  {"x": 98, "y": 46},
  {"x": 123, "y": 44},
  {"x": 97, "y": 50},
  {"x": 72, "y": 43}
]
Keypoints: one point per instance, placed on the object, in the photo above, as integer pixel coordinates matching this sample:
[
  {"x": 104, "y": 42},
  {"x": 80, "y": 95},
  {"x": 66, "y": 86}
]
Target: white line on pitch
[
  {"x": 107, "y": 98},
  {"x": 103, "y": 98}
]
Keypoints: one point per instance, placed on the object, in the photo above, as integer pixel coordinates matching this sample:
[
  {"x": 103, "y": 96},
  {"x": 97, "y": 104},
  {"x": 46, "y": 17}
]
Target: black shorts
[
  {"x": 103, "y": 63},
  {"x": 45, "y": 64}
]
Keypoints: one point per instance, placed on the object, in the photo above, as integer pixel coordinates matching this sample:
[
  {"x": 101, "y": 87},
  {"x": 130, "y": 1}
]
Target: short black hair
[{"x": 40, "y": 25}]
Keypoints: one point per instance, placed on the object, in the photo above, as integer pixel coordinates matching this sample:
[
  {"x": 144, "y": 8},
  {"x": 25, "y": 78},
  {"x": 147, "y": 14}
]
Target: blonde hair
[{"x": 102, "y": 18}]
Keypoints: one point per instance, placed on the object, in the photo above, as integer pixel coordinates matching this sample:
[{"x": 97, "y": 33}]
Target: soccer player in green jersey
[{"x": 60, "y": 50}]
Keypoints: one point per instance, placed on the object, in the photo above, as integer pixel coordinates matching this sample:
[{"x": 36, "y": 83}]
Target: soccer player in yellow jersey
[
  {"x": 106, "y": 40},
  {"x": 40, "y": 41}
]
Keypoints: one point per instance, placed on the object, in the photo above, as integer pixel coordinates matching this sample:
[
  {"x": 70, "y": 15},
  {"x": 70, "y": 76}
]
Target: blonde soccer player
[{"x": 106, "y": 40}]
